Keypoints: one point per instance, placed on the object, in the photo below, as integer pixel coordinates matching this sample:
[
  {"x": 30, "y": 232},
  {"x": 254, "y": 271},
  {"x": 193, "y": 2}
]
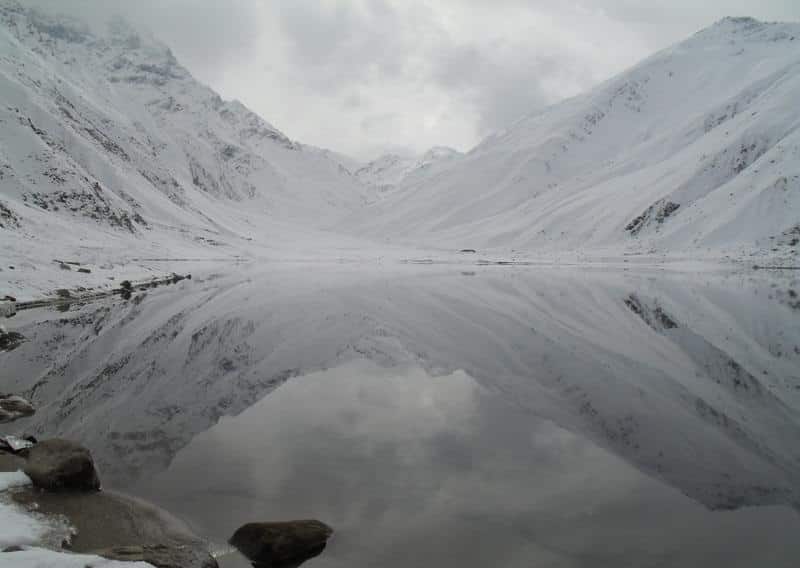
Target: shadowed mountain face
[{"x": 692, "y": 380}]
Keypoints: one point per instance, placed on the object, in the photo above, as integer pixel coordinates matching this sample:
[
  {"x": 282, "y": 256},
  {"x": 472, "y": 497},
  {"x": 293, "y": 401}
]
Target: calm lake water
[{"x": 436, "y": 416}]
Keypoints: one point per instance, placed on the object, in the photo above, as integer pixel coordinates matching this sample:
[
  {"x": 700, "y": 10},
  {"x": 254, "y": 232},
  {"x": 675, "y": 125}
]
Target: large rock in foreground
[
  {"x": 61, "y": 465},
  {"x": 281, "y": 545}
]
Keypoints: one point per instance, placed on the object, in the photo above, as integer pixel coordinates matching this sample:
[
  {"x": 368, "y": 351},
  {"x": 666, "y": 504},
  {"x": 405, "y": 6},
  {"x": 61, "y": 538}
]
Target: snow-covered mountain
[
  {"x": 695, "y": 149},
  {"x": 390, "y": 170},
  {"x": 109, "y": 143},
  {"x": 112, "y": 154}
]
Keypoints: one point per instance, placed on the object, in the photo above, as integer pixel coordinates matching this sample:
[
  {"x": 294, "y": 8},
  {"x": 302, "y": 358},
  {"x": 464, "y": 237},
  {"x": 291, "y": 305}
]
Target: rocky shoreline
[
  {"x": 64, "y": 484},
  {"x": 9, "y": 305}
]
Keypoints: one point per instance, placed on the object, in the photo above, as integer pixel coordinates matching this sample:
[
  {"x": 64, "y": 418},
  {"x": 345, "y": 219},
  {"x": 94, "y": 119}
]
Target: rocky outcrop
[
  {"x": 281, "y": 545},
  {"x": 61, "y": 465}
]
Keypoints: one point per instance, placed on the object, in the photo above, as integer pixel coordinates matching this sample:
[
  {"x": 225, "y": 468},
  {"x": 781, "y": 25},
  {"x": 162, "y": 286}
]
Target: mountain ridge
[
  {"x": 390, "y": 170},
  {"x": 685, "y": 123},
  {"x": 150, "y": 105},
  {"x": 113, "y": 152}
]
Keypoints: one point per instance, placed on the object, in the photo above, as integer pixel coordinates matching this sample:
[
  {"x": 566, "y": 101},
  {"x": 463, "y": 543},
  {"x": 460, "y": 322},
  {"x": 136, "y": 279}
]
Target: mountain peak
[
  {"x": 739, "y": 22},
  {"x": 749, "y": 29},
  {"x": 55, "y": 27}
]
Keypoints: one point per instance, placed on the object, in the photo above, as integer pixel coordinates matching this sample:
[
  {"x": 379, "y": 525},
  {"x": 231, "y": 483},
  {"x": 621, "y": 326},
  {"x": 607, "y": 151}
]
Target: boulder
[
  {"x": 281, "y": 545},
  {"x": 14, "y": 407},
  {"x": 61, "y": 465},
  {"x": 160, "y": 556}
]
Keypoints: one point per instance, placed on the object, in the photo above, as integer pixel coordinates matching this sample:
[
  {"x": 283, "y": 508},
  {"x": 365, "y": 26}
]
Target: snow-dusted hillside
[
  {"x": 696, "y": 150},
  {"x": 390, "y": 170},
  {"x": 109, "y": 145},
  {"x": 111, "y": 154}
]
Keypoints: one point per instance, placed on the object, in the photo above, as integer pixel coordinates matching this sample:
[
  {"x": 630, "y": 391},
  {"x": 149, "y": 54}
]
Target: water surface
[{"x": 433, "y": 417}]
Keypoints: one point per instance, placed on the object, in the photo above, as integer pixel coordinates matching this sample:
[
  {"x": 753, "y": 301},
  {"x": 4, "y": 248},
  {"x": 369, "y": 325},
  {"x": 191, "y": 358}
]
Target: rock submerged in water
[
  {"x": 61, "y": 465},
  {"x": 281, "y": 545},
  {"x": 14, "y": 407},
  {"x": 158, "y": 555}
]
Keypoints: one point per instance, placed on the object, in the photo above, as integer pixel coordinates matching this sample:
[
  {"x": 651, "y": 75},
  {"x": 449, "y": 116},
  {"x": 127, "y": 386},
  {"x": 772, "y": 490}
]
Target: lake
[{"x": 444, "y": 416}]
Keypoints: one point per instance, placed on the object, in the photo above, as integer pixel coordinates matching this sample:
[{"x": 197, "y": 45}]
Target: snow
[
  {"x": 113, "y": 156},
  {"x": 709, "y": 125},
  {"x": 111, "y": 153},
  {"x": 20, "y": 528},
  {"x": 17, "y": 526},
  {"x": 391, "y": 170},
  {"x": 9, "y": 480},
  {"x": 42, "y": 558}
]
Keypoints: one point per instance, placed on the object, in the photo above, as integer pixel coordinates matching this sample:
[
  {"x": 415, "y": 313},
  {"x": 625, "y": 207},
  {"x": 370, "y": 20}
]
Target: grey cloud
[
  {"x": 339, "y": 43},
  {"x": 500, "y": 91},
  {"x": 206, "y": 35},
  {"x": 361, "y": 76}
]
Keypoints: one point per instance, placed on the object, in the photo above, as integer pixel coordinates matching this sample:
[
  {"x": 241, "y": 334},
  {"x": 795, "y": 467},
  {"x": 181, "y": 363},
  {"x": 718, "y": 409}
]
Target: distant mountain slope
[
  {"x": 695, "y": 149},
  {"x": 107, "y": 138},
  {"x": 390, "y": 170}
]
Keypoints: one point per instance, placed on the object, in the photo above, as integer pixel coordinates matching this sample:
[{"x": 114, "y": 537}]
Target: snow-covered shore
[{"x": 29, "y": 534}]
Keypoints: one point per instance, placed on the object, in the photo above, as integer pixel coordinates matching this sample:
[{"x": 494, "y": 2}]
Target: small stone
[
  {"x": 281, "y": 545},
  {"x": 61, "y": 465},
  {"x": 15, "y": 444}
]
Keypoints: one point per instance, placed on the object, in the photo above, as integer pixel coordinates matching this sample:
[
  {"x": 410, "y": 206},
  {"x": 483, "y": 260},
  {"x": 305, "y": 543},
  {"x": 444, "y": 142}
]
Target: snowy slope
[
  {"x": 390, "y": 170},
  {"x": 695, "y": 149},
  {"x": 108, "y": 143}
]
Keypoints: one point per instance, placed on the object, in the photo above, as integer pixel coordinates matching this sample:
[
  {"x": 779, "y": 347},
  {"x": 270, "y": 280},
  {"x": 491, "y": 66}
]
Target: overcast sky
[{"x": 368, "y": 76}]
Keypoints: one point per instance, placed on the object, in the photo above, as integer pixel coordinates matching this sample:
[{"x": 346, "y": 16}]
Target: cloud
[
  {"x": 207, "y": 35},
  {"x": 363, "y": 76}
]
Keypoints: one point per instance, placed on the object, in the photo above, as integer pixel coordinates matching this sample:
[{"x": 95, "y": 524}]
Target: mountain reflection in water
[{"x": 515, "y": 417}]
